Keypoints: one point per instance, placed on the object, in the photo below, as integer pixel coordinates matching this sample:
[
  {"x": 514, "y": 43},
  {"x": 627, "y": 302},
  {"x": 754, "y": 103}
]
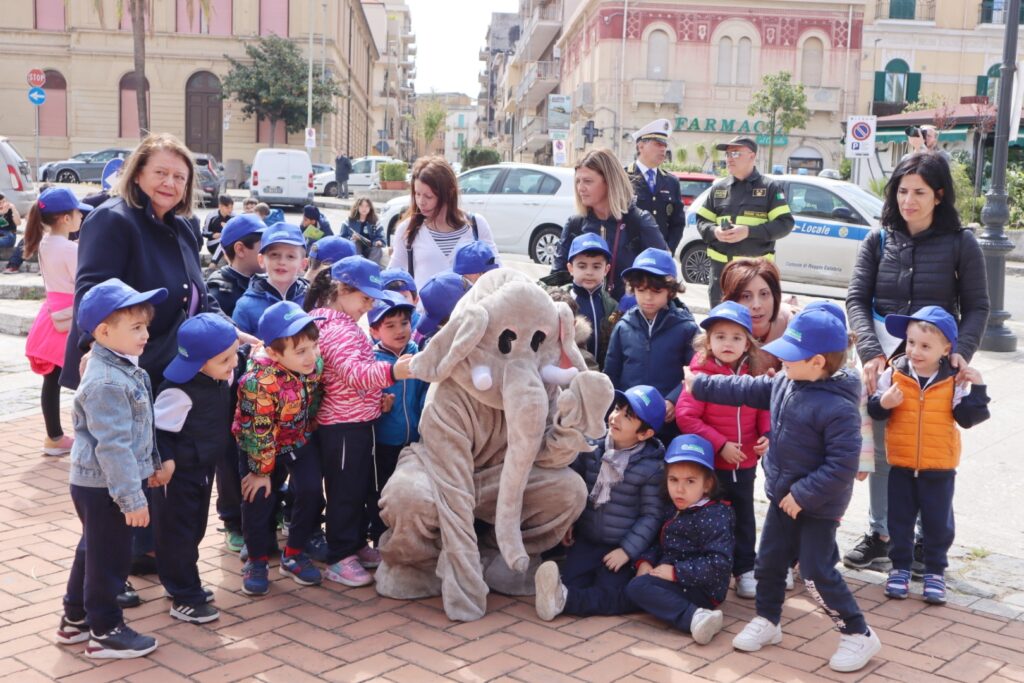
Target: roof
[{"x": 955, "y": 115}]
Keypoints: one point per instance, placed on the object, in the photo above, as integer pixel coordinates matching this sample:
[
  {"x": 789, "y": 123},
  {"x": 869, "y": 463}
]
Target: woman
[
  {"x": 605, "y": 205},
  {"x": 922, "y": 256},
  {"x": 757, "y": 284},
  {"x": 364, "y": 229},
  {"x": 434, "y": 226}
]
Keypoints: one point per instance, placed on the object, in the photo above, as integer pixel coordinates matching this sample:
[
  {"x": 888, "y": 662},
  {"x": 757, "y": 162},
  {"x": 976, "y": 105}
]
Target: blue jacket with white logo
[
  {"x": 400, "y": 425},
  {"x": 643, "y": 353},
  {"x": 260, "y": 296}
]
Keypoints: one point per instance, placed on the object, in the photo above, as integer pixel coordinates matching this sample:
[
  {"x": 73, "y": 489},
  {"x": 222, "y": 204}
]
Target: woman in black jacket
[{"x": 922, "y": 256}]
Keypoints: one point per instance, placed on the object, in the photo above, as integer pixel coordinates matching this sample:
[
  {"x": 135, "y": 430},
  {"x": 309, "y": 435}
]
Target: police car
[{"x": 831, "y": 216}]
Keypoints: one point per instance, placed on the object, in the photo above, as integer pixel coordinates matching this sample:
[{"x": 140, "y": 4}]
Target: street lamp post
[{"x": 993, "y": 240}]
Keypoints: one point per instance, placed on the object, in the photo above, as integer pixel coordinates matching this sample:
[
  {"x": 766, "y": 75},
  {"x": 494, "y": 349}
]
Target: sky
[{"x": 449, "y": 35}]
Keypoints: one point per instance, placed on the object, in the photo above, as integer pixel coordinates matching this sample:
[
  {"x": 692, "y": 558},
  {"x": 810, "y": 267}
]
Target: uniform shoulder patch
[
  {"x": 721, "y": 194},
  {"x": 759, "y": 192},
  {"x": 781, "y": 196}
]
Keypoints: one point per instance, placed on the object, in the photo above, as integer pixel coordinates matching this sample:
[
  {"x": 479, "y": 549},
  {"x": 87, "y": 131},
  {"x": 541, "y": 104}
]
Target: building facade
[
  {"x": 393, "y": 74},
  {"x": 502, "y": 36},
  {"x": 460, "y": 131},
  {"x": 445, "y": 102}
]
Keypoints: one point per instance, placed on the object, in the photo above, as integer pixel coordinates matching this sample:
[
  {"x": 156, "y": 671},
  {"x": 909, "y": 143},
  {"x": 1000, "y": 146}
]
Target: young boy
[
  {"x": 114, "y": 454},
  {"x": 390, "y": 322},
  {"x": 278, "y": 398},
  {"x": 473, "y": 259},
  {"x": 283, "y": 256},
  {"x": 924, "y": 399},
  {"x": 240, "y": 241},
  {"x": 193, "y": 411},
  {"x": 398, "y": 280},
  {"x": 214, "y": 225},
  {"x": 809, "y": 474},
  {"x": 249, "y": 205},
  {"x": 440, "y": 295},
  {"x": 314, "y": 225},
  {"x": 622, "y": 517},
  {"x": 589, "y": 262}
]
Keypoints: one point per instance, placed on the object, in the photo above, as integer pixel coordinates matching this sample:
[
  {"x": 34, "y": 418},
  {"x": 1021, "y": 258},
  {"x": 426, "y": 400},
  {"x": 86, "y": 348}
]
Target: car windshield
[
  {"x": 866, "y": 202},
  {"x": 692, "y": 188}
]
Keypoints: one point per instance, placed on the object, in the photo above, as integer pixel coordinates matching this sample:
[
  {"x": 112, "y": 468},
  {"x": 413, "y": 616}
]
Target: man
[
  {"x": 656, "y": 191},
  {"x": 342, "y": 170},
  {"x": 927, "y": 140},
  {"x": 744, "y": 215}
]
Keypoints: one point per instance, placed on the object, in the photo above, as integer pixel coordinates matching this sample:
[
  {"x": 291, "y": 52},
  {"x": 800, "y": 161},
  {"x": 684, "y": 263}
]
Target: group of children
[{"x": 664, "y": 529}]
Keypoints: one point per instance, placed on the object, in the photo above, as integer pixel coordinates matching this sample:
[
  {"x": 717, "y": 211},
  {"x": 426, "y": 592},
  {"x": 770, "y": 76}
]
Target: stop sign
[{"x": 36, "y": 78}]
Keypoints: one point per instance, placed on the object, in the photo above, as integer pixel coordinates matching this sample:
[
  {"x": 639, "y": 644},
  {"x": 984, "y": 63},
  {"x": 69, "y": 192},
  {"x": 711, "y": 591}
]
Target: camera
[{"x": 913, "y": 131}]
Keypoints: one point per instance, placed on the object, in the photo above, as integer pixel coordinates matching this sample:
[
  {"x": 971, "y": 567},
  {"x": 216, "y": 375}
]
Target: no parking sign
[{"x": 860, "y": 136}]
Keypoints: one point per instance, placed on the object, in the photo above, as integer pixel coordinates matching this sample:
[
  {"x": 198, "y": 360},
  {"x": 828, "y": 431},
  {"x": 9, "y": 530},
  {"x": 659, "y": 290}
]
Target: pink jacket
[
  {"x": 721, "y": 423},
  {"x": 353, "y": 378}
]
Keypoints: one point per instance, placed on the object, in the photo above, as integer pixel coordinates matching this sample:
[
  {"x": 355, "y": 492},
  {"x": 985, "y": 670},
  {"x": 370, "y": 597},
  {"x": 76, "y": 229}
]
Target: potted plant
[{"x": 392, "y": 176}]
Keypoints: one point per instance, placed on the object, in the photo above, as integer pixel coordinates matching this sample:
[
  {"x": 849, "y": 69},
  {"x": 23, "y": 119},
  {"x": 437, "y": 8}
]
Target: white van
[
  {"x": 282, "y": 176},
  {"x": 366, "y": 173}
]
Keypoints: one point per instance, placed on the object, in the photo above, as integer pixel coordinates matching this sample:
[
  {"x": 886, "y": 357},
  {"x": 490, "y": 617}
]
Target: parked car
[
  {"x": 832, "y": 217},
  {"x": 282, "y": 176},
  {"x": 16, "y": 178},
  {"x": 210, "y": 185},
  {"x": 526, "y": 206},
  {"x": 365, "y": 175},
  {"x": 81, "y": 168},
  {"x": 692, "y": 184},
  {"x": 322, "y": 168}
]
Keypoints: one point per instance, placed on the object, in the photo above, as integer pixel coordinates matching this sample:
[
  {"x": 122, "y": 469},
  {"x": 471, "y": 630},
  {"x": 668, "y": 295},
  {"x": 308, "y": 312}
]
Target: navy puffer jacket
[
  {"x": 815, "y": 436},
  {"x": 632, "y": 515},
  {"x": 260, "y": 296},
  {"x": 639, "y": 353}
]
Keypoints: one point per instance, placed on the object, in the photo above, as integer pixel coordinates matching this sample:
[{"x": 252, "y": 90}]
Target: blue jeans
[
  {"x": 878, "y": 483},
  {"x": 667, "y": 600},
  {"x": 7, "y": 239},
  {"x": 593, "y": 588}
]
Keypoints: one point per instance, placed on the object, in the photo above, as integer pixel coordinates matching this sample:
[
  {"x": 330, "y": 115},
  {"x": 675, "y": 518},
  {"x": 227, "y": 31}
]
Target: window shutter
[
  {"x": 982, "y": 86},
  {"x": 879, "y": 86},
  {"x": 913, "y": 86}
]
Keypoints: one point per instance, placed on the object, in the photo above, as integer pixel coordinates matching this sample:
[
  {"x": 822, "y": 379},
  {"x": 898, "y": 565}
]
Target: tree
[
  {"x": 783, "y": 102},
  {"x": 273, "y": 85},
  {"x": 479, "y": 156},
  {"x": 431, "y": 120}
]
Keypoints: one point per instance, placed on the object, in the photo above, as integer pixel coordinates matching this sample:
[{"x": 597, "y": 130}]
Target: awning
[{"x": 956, "y": 134}]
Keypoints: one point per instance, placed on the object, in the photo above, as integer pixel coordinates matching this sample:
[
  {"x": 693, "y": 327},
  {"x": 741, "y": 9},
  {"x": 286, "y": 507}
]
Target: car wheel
[
  {"x": 331, "y": 190},
  {"x": 544, "y": 246},
  {"x": 696, "y": 264},
  {"x": 67, "y": 176}
]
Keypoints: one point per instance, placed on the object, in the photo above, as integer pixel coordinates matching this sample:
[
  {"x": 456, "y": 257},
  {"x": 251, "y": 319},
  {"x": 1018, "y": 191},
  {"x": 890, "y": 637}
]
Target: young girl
[
  {"x": 685, "y": 576},
  {"x": 363, "y": 229},
  {"x": 353, "y": 383},
  {"x": 737, "y": 434},
  {"x": 56, "y": 214}
]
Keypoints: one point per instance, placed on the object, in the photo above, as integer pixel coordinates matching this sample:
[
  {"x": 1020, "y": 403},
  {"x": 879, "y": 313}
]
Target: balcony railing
[
  {"x": 537, "y": 72},
  {"x": 988, "y": 13},
  {"x": 914, "y": 10}
]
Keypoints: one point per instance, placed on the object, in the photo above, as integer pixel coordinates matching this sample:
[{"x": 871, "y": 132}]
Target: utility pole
[{"x": 309, "y": 79}]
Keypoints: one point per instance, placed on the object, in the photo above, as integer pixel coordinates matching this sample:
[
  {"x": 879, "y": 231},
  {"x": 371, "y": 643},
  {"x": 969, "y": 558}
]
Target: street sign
[
  {"x": 558, "y": 152},
  {"x": 110, "y": 172},
  {"x": 310, "y": 138},
  {"x": 36, "y": 96},
  {"x": 590, "y": 131},
  {"x": 36, "y": 78},
  {"x": 860, "y": 136},
  {"x": 560, "y": 134}
]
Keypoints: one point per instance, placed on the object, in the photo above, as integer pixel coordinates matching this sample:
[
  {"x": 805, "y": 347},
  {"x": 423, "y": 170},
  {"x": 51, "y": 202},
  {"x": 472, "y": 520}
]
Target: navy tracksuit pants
[
  {"x": 102, "y": 560},
  {"x": 229, "y": 487},
  {"x": 386, "y": 459},
  {"x": 668, "y": 600},
  {"x": 346, "y": 456},
  {"x": 180, "y": 512},
  {"x": 593, "y": 588},
  {"x": 737, "y": 487},
  {"x": 812, "y": 542},
  {"x": 930, "y": 494}
]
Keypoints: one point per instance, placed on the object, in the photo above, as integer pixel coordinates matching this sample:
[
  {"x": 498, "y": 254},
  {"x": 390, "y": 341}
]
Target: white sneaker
[
  {"x": 705, "y": 625},
  {"x": 790, "y": 585},
  {"x": 550, "y": 594},
  {"x": 757, "y": 634},
  {"x": 854, "y": 651},
  {"x": 746, "y": 585}
]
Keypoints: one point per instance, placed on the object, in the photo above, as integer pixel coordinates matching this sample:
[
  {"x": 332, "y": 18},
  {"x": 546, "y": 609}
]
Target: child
[
  {"x": 685, "y": 576},
  {"x": 924, "y": 400},
  {"x": 473, "y": 259},
  {"x": 353, "y": 381},
  {"x": 653, "y": 341},
  {"x": 325, "y": 252},
  {"x": 397, "y": 280},
  {"x": 240, "y": 241},
  {"x": 620, "y": 521},
  {"x": 363, "y": 228},
  {"x": 278, "y": 399},
  {"x": 314, "y": 225},
  {"x": 50, "y": 222},
  {"x": 402, "y": 403},
  {"x": 113, "y": 455},
  {"x": 193, "y": 414},
  {"x": 214, "y": 225},
  {"x": 249, "y": 205},
  {"x": 809, "y": 473},
  {"x": 439, "y": 295},
  {"x": 589, "y": 262},
  {"x": 262, "y": 210},
  {"x": 283, "y": 256},
  {"x": 583, "y": 331},
  {"x": 728, "y": 348}
]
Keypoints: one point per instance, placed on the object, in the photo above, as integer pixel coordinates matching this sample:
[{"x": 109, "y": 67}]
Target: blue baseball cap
[
  {"x": 474, "y": 257},
  {"x": 387, "y": 303},
  {"x": 729, "y": 311},
  {"x": 359, "y": 272},
  {"x": 331, "y": 249},
  {"x": 391, "y": 276},
  {"x": 282, "y": 233},
  {"x": 109, "y": 296},
  {"x": 896, "y": 325},
  {"x": 655, "y": 261},
  {"x": 808, "y": 334},
  {"x": 60, "y": 199},
  {"x": 647, "y": 403},
  {"x": 691, "y": 448},
  {"x": 439, "y": 296},
  {"x": 283, "y": 319},
  {"x": 588, "y": 241},
  {"x": 241, "y": 226},
  {"x": 200, "y": 338},
  {"x": 830, "y": 306}
]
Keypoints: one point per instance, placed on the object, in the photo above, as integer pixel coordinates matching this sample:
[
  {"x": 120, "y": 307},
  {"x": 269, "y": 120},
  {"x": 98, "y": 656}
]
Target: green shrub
[
  {"x": 479, "y": 156},
  {"x": 393, "y": 170},
  {"x": 845, "y": 169},
  {"x": 1015, "y": 191}
]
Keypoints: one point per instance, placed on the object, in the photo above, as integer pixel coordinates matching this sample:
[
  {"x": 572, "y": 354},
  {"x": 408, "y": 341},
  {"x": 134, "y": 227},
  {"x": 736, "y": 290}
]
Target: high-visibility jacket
[{"x": 756, "y": 202}]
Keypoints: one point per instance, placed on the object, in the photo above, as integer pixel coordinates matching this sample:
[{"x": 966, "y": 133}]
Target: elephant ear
[
  {"x": 571, "y": 356},
  {"x": 451, "y": 345}
]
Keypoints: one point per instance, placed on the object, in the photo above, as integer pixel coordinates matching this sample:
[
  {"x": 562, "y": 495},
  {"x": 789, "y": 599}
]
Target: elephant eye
[
  {"x": 538, "y": 339},
  {"x": 505, "y": 341}
]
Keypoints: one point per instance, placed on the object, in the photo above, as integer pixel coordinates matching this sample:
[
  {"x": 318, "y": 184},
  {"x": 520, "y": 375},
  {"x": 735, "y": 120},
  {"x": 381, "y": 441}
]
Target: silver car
[
  {"x": 81, "y": 168},
  {"x": 16, "y": 178}
]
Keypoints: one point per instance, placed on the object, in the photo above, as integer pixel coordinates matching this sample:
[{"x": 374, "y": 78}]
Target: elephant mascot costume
[{"x": 498, "y": 432}]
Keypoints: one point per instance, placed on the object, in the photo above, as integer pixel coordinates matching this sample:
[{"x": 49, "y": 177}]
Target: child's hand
[
  {"x": 568, "y": 539},
  {"x": 670, "y": 411},
  {"x": 664, "y": 571},
  {"x": 892, "y": 397},
  {"x": 162, "y": 476},
  {"x": 402, "y": 367},
  {"x": 246, "y": 338},
  {"x": 688, "y": 377},
  {"x": 643, "y": 569},
  {"x": 861, "y": 476},
  {"x": 252, "y": 483},
  {"x": 138, "y": 518},
  {"x": 386, "y": 402},
  {"x": 731, "y": 453},
  {"x": 790, "y": 506},
  {"x": 616, "y": 559},
  {"x": 761, "y": 447},
  {"x": 969, "y": 375}
]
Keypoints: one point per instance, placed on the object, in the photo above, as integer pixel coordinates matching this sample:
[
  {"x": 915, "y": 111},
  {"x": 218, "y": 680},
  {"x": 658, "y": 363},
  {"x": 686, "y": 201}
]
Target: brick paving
[{"x": 334, "y": 633}]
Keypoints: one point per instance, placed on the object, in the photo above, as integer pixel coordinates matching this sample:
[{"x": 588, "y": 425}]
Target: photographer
[{"x": 923, "y": 139}]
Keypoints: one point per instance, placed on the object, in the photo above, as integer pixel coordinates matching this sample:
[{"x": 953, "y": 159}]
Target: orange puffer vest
[{"x": 921, "y": 433}]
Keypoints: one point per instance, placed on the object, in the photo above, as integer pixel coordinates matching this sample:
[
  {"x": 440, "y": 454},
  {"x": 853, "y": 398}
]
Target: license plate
[{"x": 273, "y": 189}]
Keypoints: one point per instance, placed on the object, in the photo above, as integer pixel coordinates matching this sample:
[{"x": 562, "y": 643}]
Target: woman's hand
[{"x": 870, "y": 373}]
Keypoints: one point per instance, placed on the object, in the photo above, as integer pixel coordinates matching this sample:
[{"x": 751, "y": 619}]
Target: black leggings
[{"x": 50, "y": 401}]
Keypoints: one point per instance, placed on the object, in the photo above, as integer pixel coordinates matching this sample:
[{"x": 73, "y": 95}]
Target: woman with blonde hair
[{"x": 605, "y": 205}]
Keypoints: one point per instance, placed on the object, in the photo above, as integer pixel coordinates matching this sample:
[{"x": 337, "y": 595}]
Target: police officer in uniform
[
  {"x": 744, "y": 214},
  {"x": 656, "y": 191}
]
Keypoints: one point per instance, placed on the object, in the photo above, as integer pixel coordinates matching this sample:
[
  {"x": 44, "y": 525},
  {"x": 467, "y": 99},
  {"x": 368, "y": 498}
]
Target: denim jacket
[{"x": 115, "y": 439}]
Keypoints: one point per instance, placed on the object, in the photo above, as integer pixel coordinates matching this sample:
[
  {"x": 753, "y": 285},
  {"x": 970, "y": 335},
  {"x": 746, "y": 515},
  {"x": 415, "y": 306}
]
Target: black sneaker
[
  {"x": 207, "y": 591},
  {"x": 120, "y": 642},
  {"x": 71, "y": 632},
  {"x": 194, "y": 614},
  {"x": 917, "y": 564},
  {"x": 129, "y": 598},
  {"x": 872, "y": 552}
]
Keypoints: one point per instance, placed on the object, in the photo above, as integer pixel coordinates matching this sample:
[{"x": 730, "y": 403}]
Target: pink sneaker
[
  {"x": 369, "y": 557},
  {"x": 61, "y": 446},
  {"x": 348, "y": 572}
]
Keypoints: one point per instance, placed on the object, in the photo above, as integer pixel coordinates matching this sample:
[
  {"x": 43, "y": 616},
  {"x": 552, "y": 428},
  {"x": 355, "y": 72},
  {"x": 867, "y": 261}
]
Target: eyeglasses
[{"x": 734, "y": 155}]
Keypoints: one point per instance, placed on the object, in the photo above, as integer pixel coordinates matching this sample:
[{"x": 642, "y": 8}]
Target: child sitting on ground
[
  {"x": 589, "y": 262},
  {"x": 314, "y": 225},
  {"x": 365, "y": 231},
  {"x": 283, "y": 257}
]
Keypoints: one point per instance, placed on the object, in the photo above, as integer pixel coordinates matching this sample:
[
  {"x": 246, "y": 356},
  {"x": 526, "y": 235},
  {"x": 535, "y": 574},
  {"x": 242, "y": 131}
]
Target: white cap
[{"x": 658, "y": 129}]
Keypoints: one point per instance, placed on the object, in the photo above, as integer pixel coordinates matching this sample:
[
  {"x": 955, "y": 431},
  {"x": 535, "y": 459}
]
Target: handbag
[{"x": 61, "y": 319}]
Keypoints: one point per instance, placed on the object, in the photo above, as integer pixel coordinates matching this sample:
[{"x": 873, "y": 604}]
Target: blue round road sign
[
  {"x": 36, "y": 96},
  {"x": 109, "y": 172}
]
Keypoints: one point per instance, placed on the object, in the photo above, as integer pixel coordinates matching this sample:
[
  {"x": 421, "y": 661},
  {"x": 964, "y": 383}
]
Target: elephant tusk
[
  {"x": 552, "y": 374},
  {"x": 482, "y": 379}
]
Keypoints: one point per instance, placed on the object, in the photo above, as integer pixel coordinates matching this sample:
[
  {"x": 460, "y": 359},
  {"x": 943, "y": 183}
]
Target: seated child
[
  {"x": 283, "y": 257},
  {"x": 249, "y": 205},
  {"x": 314, "y": 225},
  {"x": 621, "y": 519},
  {"x": 473, "y": 259},
  {"x": 240, "y": 242},
  {"x": 113, "y": 455},
  {"x": 439, "y": 296},
  {"x": 589, "y": 262},
  {"x": 685, "y": 575},
  {"x": 363, "y": 228},
  {"x": 924, "y": 399}
]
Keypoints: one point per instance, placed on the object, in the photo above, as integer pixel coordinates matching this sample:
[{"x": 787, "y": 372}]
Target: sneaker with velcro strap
[
  {"x": 898, "y": 584},
  {"x": 194, "y": 614},
  {"x": 70, "y": 631},
  {"x": 935, "y": 589},
  {"x": 120, "y": 642}
]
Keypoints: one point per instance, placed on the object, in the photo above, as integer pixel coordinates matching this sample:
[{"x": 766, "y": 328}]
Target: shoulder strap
[{"x": 472, "y": 222}]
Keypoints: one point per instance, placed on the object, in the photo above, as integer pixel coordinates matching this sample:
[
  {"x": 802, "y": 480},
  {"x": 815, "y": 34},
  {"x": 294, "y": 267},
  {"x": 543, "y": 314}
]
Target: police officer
[
  {"x": 656, "y": 191},
  {"x": 744, "y": 214}
]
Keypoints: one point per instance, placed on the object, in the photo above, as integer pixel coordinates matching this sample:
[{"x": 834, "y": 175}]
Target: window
[
  {"x": 811, "y": 61},
  {"x": 129, "y": 124},
  {"x": 263, "y": 132},
  {"x": 901, "y": 9},
  {"x": 817, "y": 202},
  {"x": 525, "y": 181},
  {"x": 897, "y": 83},
  {"x": 50, "y": 15},
  {"x": 478, "y": 182},
  {"x": 743, "y": 49},
  {"x": 274, "y": 17},
  {"x": 725, "y": 61},
  {"x": 657, "y": 55},
  {"x": 53, "y": 114},
  {"x": 364, "y": 166},
  {"x": 462, "y": 121},
  {"x": 217, "y": 24},
  {"x": 988, "y": 85}
]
